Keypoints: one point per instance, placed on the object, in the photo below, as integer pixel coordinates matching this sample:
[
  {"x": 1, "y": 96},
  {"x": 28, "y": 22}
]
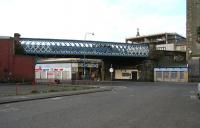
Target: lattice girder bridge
[{"x": 34, "y": 46}]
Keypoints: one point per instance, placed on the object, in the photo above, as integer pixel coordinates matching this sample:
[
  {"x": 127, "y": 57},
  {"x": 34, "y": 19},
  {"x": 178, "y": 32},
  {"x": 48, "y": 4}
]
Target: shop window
[
  {"x": 166, "y": 75},
  {"x": 173, "y": 75},
  {"x": 126, "y": 74},
  {"x": 159, "y": 75},
  {"x": 182, "y": 75}
]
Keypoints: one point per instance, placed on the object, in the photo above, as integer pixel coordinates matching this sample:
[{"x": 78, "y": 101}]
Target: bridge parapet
[{"x": 35, "y": 46}]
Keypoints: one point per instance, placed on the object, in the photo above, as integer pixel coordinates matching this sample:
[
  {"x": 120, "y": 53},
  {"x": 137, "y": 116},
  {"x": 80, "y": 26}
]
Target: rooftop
[
  {"x": 5, "y": 37},
  {"x": 153, "y": 35}
]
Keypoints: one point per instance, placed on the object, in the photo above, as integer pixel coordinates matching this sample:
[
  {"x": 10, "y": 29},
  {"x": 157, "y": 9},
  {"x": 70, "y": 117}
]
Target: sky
[{"x": 109, "y": 20}]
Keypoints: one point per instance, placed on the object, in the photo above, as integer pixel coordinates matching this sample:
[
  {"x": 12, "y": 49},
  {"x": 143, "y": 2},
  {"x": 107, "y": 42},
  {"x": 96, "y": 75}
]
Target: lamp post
[{"x": 84, "y": 67}]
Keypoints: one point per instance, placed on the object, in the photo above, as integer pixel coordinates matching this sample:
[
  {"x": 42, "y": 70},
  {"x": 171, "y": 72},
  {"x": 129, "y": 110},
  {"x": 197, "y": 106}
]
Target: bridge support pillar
[
  {"x": 102, "y": 71},
  {"x": 147, "y": 69},
  {"x": 106, "y": 64}
]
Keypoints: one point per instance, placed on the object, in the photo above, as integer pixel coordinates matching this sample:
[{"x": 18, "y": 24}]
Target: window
[
  {"x": 159, "y": 75},
  {"x": 165, "y": 75},
  {"x": 173, "y": 75},
  {"x": 126, "y": 74},
  {"x": 182, "y": 75},
  {"x": 161, "y": 48}
]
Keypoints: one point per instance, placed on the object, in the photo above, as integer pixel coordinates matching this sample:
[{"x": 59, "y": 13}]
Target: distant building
[
  {"x": 47, "y": 69},
  {"x": 162, "y": 41},
  {"x": 167, "y": 51},
  {"x": 193, "y": 39}
]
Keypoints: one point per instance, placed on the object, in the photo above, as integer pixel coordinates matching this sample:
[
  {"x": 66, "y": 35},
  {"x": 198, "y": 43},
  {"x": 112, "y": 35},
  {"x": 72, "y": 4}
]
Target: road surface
[{"x": 128, "y": 106}]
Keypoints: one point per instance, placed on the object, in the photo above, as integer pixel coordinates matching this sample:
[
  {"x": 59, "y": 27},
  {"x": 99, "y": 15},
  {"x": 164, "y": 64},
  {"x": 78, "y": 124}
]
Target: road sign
[{"x": 111, "y": 70}]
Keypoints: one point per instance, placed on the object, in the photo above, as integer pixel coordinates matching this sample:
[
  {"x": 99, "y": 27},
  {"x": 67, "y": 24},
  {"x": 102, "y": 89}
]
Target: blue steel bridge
[{"x": 57, "y": 47}]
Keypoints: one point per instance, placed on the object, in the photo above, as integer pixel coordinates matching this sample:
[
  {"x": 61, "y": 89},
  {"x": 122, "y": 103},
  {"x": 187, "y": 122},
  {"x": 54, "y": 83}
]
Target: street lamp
[{"x": 84, "y": 69}]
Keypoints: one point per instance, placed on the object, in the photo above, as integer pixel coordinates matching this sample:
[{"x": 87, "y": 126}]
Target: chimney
[
  {"x": 16, "y": 37},
  {"x": 138, "y": 33}
]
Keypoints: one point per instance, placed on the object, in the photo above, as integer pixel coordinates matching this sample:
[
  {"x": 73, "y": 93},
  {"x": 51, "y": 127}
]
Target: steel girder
[{"x": 82, "y": 47}]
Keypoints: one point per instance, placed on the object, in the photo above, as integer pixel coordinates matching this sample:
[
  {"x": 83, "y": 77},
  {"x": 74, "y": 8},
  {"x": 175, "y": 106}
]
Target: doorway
[{"x": 134, "y": 75}]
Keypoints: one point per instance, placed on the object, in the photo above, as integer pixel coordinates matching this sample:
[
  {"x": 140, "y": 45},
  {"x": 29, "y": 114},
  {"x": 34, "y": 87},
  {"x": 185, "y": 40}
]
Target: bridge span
[{"x": 97, "y": 49}]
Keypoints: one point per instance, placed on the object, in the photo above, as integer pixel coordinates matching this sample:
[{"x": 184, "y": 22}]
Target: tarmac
[
  {"x": 101, "y": 87},
  {"x": 21, "y": 98}
]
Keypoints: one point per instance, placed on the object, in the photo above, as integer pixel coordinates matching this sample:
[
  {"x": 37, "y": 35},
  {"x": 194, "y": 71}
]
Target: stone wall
[{"x": 193, "y": 36}]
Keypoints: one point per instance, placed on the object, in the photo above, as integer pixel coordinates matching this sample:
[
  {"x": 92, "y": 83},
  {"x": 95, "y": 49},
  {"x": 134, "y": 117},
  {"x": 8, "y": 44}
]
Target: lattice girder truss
[{"x": 81, "y": 47}]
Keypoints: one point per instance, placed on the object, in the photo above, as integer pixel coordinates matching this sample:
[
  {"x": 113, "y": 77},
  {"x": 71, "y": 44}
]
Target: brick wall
[
  {"x": 15, "y": 67},
  {"x": 23, "y": 68},
  {"x": 5, "y": 57}
]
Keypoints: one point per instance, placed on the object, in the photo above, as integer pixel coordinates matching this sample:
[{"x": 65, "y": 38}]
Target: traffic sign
[{"x": 111, "y": 70}]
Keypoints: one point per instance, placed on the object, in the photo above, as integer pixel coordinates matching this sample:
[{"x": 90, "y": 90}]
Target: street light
[{"x": 84, "y": 70}]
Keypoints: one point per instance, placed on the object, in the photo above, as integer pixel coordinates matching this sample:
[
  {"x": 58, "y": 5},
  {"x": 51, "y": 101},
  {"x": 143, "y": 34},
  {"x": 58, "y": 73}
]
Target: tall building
[{"x": 193, "y": 39}]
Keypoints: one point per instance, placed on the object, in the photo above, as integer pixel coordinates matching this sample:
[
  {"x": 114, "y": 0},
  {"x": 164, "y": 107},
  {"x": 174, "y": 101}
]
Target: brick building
[{"x": 15, "y": 67}]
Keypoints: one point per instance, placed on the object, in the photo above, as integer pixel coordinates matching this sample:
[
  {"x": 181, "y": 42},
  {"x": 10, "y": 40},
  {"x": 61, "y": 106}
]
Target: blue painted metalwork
[{"x": 81, "y": 47}]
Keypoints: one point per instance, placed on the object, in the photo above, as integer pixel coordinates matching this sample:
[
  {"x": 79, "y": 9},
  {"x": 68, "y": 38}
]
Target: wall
[
  {"x": 193, "y": 45},
  {"x": 124, "y": 74},
  {"x": 166, "y": 47},
  {"x": 14, "y": 67},
  {"x": 23, "y": 68},
  {"x": 180, "y": 48},
  {"x": 193, "y": 22},
  {"x": 5, "y": 57}
]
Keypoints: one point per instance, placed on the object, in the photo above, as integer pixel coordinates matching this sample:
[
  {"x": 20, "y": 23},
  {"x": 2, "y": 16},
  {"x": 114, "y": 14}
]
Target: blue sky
[{"x": 110, "y": 20}]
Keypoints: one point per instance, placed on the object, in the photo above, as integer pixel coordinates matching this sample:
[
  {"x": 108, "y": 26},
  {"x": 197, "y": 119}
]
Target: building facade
[
  {"x": 167, "y": 50},
  {"x": 193, "y": 39},
  {"x": 15, "y": 67},
  {"x": 162, "y": 41},
  {"x": 67, "y": 69}
]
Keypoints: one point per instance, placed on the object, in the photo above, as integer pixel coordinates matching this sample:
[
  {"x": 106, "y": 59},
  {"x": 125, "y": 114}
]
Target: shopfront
[
  {"x": 68, "y": 70},
  {"x": 178, "y": 74}
]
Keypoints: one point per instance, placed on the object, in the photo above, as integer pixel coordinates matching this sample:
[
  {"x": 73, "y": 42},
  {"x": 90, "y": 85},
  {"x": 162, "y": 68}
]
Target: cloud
[{"x": 110, "y": 20}]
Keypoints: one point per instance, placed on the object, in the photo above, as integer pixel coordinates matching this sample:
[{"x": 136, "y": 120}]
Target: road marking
[
  {"x": 21, "y": 97},
  {"x": 114, "y": 92},
  {"x": 193, "y": 97},
  {"x": 56, "y": 98},
  {"x": 192, "y": 92},
  {"x": 119, "y": 87},
  {"x": 12, "y": 109}
]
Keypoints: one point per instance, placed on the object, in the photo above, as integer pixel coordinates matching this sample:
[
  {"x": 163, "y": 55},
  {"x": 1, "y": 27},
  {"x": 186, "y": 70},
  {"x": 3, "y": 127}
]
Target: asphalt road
[{"x": 132, "y": 106}]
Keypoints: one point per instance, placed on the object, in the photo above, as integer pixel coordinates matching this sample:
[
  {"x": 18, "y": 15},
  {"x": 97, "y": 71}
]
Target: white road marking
[
  {"x": 192, "y": 92},
  {"x": 56, "y": 98},
  {"x": 114, "y": 92},
  {"x": 193, "y": 97},
  {"x": 21, "y": 97},
  {"x": 12, "y": 109}
]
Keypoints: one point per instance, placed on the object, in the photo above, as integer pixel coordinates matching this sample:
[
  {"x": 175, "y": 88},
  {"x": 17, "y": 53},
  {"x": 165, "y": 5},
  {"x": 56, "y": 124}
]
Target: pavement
[
  {"x": 6, "y": 89},
  {"x": 130, "y": 105}
]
